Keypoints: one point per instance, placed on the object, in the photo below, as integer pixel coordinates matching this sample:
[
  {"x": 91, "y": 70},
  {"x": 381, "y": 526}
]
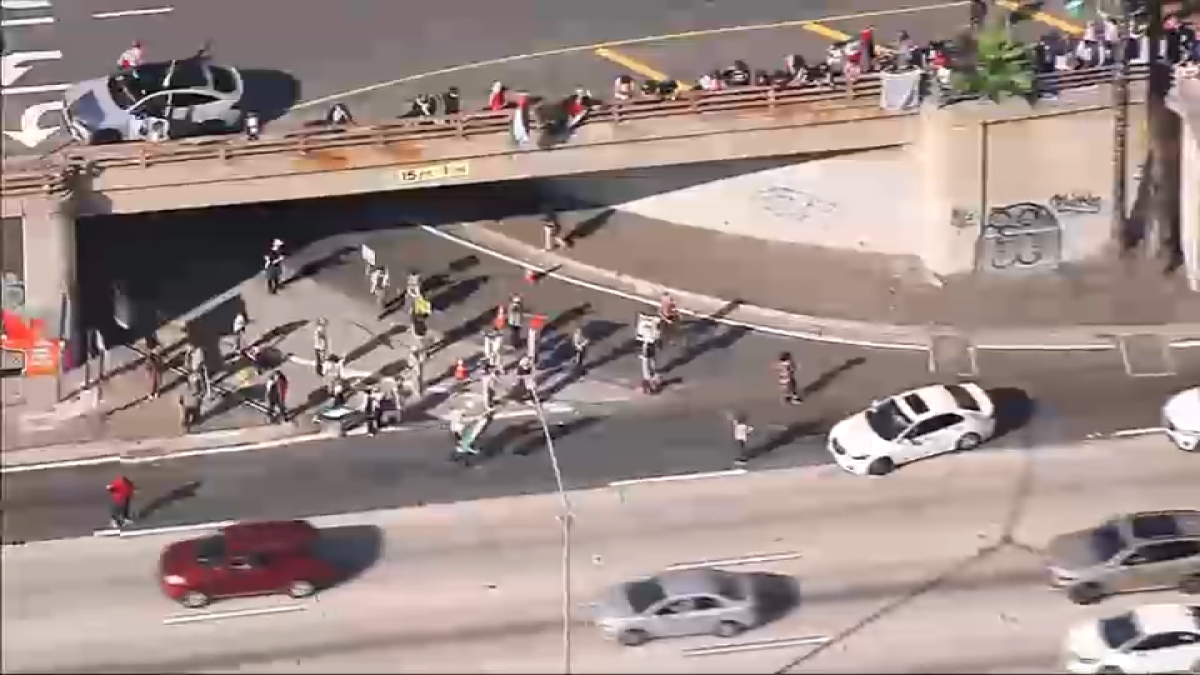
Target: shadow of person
[
  {"x": 174, "y": 495},
  {"x": 790, "y": 434},
  {"x": 537, "y": 439},
  {"x": 827, "y": 378}
]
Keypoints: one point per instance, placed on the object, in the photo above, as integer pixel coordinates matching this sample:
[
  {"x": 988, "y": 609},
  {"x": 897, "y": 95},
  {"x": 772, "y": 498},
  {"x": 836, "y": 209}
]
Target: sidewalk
[{"x": 851, "y": 297}]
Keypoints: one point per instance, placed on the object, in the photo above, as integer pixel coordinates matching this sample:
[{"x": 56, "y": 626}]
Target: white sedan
[
  {"x": 1181, "y": 417},
  {"x": 913, "y": 425},
  {"x": 1149, "y": 639}
]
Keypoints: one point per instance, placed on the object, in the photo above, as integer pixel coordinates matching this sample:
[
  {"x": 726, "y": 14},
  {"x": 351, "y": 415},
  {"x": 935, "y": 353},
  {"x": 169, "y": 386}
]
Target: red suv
[{"x": 246, "y": 559}]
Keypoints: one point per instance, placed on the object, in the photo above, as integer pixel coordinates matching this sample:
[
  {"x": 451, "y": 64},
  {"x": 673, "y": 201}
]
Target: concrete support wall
[
  {"x": 1190, "y": 203},
  {"x": 51, "y": 286}
]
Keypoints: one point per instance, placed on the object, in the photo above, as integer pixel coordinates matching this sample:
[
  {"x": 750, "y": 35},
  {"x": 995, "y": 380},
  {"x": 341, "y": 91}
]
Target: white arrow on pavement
[
  {"x": 31, "y": 134},
  {"x": 12, "y": 66},
  {"x": 24, "y": 4}
]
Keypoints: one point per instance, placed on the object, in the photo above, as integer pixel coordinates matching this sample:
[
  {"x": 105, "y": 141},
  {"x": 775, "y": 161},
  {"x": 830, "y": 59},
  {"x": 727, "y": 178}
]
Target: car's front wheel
[
  {"x": 194, "y": 600},
  {"x": 968, "y": 441},
  {"x": 881, "y": 467},
  {"x": 1086, "y": 594},
  {"x": 301, "y": 589},
  {"x": 633, "y": 637},
  {"x": 728, "y": 629}
]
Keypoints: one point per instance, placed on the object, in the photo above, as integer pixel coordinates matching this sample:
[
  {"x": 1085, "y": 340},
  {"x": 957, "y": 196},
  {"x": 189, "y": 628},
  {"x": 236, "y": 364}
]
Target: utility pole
[{"x": 1120, "y": 105}]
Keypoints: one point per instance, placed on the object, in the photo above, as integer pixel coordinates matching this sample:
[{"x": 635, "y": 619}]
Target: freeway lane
[{"x": 863, "y": 576}]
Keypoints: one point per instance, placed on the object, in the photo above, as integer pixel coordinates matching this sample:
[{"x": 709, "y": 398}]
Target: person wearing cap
[{"x": 273, "y": 266}]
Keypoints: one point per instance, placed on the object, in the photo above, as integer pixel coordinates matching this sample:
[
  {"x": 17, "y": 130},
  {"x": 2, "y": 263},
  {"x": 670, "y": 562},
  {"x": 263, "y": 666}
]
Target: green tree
[{"x": 1000, "y": 68}]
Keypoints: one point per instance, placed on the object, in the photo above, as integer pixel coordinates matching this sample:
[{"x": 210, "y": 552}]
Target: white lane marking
[
  {"x": 12, "y": 66},
  {"x": 66, "y": 463},
  {"x": 1082, "y": 347},
  {"x": 758, "y": 645},
  {"x": 24, "y": 4},
  {"x": 34, "y": 89},
  {"x": 34, "y": 21},
  {"x": 654, "y": 303},
  {"x": 1186, "y": 343},
  {"x": 678, "y": 477},
  {"x": 740, "y": 560},
  {"x": 1145, "y": 431},
  {"x": 133, "y": 12},
  {"x": 273, "y": 443},
  {"x": 172, "y": 529},
  {"x": 232, "y": 614},
  {"x": 32, "y": 132}
]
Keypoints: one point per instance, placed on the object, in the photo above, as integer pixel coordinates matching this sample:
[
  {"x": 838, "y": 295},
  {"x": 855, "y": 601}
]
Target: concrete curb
[{"x": 785, "y": 324}]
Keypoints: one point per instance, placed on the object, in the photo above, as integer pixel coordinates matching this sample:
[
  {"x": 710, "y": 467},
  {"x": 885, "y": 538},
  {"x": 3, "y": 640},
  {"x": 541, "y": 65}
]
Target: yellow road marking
[
  {"x": 577, "y": 49},
  {"x": 825, "y": 31},
  {"x": 1050, "y": 20},
  {"x": 632, "y": 64}
]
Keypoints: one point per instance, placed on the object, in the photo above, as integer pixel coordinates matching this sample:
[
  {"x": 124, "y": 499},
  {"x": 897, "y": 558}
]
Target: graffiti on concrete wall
[
  {"x": 964, "y": 219},
  {"x": 789, "y": 203},
  {"x": 1076, "y": 203},
  {"x": 1021, "y": 236}
]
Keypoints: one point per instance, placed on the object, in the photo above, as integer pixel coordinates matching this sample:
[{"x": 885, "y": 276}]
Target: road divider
[
  {"x": 740, "y": 560},
  {"x": 758, "y": 645},
  {"x": 231, "y": 614},
  {"x": 170, "y": 529},
  {"x": 678, "y": 477}
]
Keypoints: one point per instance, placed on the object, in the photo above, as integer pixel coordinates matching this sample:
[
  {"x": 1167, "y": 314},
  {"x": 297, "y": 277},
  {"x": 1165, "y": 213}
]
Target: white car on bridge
[
  {"x": 1149, "y": 639},
  {"x": 1181, "y": 418},
  {"x": 913, "y": 425}
]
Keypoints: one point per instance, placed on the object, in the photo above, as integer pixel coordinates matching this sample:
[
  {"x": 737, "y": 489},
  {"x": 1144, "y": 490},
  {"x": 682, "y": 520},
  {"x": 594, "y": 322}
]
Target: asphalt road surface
[
  {"x": 329, "y": 49},
  {"x": 912, "y": 573}
]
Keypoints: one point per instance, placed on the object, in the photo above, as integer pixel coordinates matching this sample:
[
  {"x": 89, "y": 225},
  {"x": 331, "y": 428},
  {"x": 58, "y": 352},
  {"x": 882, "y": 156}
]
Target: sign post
[{"x": 536, "y": 323}]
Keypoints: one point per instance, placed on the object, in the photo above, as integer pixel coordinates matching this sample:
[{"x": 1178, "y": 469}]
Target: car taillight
[{"x": 174, "y": 580}]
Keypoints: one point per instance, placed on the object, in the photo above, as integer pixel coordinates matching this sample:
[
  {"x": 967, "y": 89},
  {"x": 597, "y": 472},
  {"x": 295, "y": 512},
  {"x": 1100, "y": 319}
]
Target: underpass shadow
[
  {"x": 313, "y": 268},
  {"x": 351, "y": 549},
  {"x": 1014, "y": 409},
  {"x": 458, "y": 292},
  {"x": 775, "y": 595},
  {"x": 723, "y": 340},
  {"x": 269, "y": 93},
  {"x": 175, "y": 495},
  {"x": 537, "y": 441}
]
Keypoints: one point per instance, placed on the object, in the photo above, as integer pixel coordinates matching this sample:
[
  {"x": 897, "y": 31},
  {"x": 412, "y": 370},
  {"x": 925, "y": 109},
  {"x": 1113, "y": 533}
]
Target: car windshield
[
  {"x": 87, "y": 109},
  {"x": 1119, "y": 630},
  {"x": 643, "y": 594},
  {"x": 125, "y": 90},
  {"x": 1155, "y": 526},
  {"x": 223, "y": 80},
  {"x": 1107, "y": 542},
  {"x": 888, "y": 420}
]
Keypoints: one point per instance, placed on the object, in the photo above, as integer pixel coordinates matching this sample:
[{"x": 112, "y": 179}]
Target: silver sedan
[
  {"x": 174, "y": 99},
  {"x": 675, "y": 603}
]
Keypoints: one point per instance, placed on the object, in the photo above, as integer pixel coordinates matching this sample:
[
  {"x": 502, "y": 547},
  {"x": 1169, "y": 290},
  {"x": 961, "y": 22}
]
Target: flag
[
  {"x": 900, "y": 91},
  {"x": 520, "y": 122}
]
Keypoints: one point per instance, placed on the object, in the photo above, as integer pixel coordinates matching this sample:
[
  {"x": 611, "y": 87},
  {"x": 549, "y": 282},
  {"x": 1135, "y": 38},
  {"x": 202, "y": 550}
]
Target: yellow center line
[
  {"x": 1048, "y": 19},
  {"x": 825, "y": 31},
  {"x": 632, "y": 64}
]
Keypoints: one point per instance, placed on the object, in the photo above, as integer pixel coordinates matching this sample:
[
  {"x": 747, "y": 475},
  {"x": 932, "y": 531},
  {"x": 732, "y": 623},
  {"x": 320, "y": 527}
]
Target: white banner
[
  {"x": 649, "y": 328},
  {"x": 368, "y": 255},
  {"x": 900, "y": 91}
]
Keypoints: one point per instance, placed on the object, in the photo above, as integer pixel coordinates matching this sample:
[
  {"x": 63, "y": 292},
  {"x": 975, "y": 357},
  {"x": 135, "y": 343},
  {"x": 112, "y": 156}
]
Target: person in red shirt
[
  {"x": 120, "y": 493},
  {"x": 131, "y": 58},
  {"x": 498, "y": 99}
]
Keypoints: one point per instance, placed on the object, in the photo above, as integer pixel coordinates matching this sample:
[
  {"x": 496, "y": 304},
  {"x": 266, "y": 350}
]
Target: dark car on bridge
[
  {"x": 185, "y": 97},
  {"x": 246, "y": 559}
]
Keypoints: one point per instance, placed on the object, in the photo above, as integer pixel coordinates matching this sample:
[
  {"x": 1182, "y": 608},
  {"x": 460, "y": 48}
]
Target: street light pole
[{"x": 566, "y": 518}]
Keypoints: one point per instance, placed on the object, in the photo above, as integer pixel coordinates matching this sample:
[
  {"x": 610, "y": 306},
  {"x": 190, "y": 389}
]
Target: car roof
[
  {"x": 267, "y": 534},
  {"x": 1166, "y": 618},
  {"x": 690, "y": 582},
  {"x": 930, "y": 400},
  {"x": 1150, "y": 525}
]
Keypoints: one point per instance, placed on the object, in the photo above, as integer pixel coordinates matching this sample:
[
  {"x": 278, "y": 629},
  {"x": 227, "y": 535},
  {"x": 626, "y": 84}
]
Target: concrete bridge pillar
[
  {"x": 49, "y": 253},
  {"x": 1184, "y": 100},
  {"x": 951, "y": 154}
]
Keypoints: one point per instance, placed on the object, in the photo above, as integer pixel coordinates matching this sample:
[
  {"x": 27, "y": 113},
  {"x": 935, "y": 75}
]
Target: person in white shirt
[{"x": 131, "y": 58}]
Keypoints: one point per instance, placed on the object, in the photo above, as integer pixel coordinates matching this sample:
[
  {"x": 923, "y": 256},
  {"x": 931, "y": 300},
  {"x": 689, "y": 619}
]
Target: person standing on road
[
  {"x": 239, "y": 331},
  {"x": 515, "y": 318},
  {"x": 488, "y": 383},
  {"x": 282, "y": 392},
  {"x": 370, "y": 410},
  {"x": 131, "y": 58},
  {"x": 412, "y": 286},
  {"x": 120, "y": 494},
  {"x": 579, "y": 343},
  {"x": 786, "y": 370},
  {"x": 189, "y": 409},
  {"x": 416, "y": 369},
  {"x": 320, "y": 345},
  {"x": 154, "y": 372},
  {"x": 651, "y": 383},
  {"x": 458, "y": 424},
  {"x": 273, "y": 266},
  {"x": 493, "y": 345},
  {"x": 741, "y": 437},
  {"x": 552, "y": 233},
  {"x": 379, "y": 280}
]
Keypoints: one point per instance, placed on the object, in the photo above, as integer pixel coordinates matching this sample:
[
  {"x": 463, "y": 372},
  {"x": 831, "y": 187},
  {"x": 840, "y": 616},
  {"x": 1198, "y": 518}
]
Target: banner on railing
[{"x": 900, "y": 91}]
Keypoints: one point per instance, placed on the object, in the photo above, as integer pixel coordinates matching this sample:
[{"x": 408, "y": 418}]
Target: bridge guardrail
[{"x": 466, "y": 125}]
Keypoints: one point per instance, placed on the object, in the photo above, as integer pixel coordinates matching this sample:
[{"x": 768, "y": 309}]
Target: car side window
[
  {"x": 682, "y": 606},
  {"x": 189, "y": 99},
  {"x": 935, "y": 423},
  {"x": 153, "y": 106},
  {"x": 244, "y": 563},
  {"x": 707, "y": 602},
  {"x": 1160, "y": 641},
  {"x": 1164, "y": 552}
]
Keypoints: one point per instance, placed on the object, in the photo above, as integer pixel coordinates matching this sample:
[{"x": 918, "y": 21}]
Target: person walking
[
  {"x": 273, "y": 266},
  {"x": 392, "y": 399},
  {"x": 458, "y": 424},
  {"x": 271, "y": 396},
  {"x": 515, "y": 318},
  {"x": 379, "y": 280},
  {"x": 525, "y": 381},
  {"x": 131, "y": 58},
  {"x": 487, "y": 383},
  {"x": 370, "y": 410},
  {"x": 786, "y": 370},
  {"x": 493, "y": 344},
  {"x": 651, "y": 383},
  {"x": 579, "y": 343},
  {"x": 421, "y": 309},
  {"x": 552, "y": 233},
  {"x": 239, "y": 331},
  {"x": 417, "y": 359},
  {"x": 281, "y": 388},
  {"x": 741, "y": 438},
  {"x": 120, "y": 495},
  {"x": 153, "y": 367},
  {"x": 321, "y": 345},
  {"x": 412, "y": 286},
  {"x": 189, "y": 409}
]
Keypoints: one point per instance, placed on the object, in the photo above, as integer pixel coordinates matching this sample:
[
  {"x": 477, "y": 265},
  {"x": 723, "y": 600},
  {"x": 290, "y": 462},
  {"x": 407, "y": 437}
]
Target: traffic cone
[
  {"x": 532, "y": 276},
  {"x": 460, "y": 370}
]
